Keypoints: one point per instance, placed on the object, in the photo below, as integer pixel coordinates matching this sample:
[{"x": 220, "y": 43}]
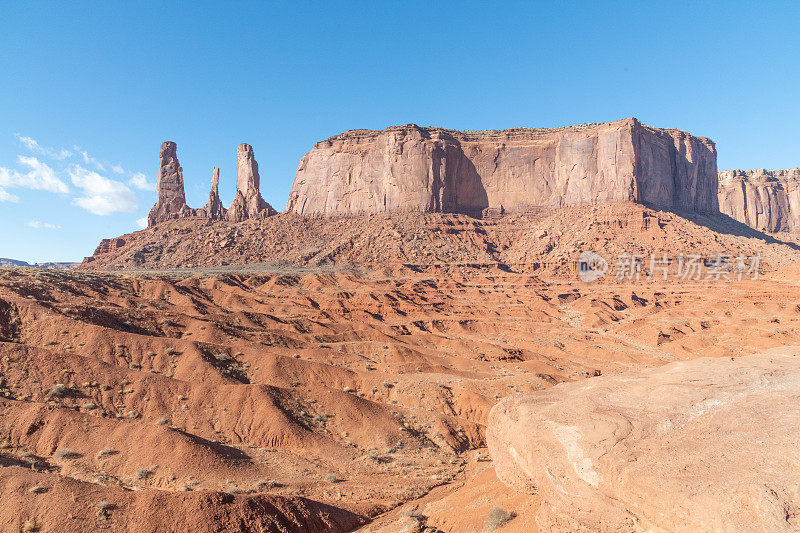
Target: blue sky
[{"x": 88, "y": 90}]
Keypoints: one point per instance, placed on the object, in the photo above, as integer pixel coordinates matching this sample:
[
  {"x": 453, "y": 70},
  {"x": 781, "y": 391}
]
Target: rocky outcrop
[
  {"x": 214, "y": 208},
  {"x": 248, "y": 202},
  {"x": 702, "y": 445},
  {"x": 411, "y": 168},
  {"x": 764, "y": 200},
  {"x": 171, "y": 197},
  {"x": 171, "y": 203}
]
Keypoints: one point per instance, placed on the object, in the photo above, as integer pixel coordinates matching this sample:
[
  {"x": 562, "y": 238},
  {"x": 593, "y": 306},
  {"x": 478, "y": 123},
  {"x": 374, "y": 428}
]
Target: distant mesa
[
  {"x": 171, "y": 203},
  {"x": 50, "y": 265}
]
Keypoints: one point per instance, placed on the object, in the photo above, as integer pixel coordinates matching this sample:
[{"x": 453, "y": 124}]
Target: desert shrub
[
  {"x": 37, "y": 489},
  {"x": 65, "y": 453},
  {"x": 105, "y": 452},
  {"x": 90, "y": 406},
  {"x": 59, "y": 390},
  {"x": 132, "y": 414},
  {"x": 162, "y": 421},
  {"x": 143, "y": 473},
  {"x": 103, "y": 505},
  {"x": 330, "y": 478},
  {"x": 267, "y": 484},
  {"x": 498, "y": 517},
  {"x": 170, "y": 351}
]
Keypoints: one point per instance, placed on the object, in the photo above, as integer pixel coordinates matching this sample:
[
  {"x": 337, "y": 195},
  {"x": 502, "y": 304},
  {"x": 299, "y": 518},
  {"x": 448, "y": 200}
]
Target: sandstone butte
[
  {"x": 489, "y": 173},
  {"x": 410, "y": 168},
  {"x": 702, "y": 445}
]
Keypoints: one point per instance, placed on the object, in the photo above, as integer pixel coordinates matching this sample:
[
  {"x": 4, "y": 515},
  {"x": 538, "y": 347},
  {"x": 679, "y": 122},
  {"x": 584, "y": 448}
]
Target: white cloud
[
  {"x": 89, "y": 160},
  {"x": 139, "y": 180},
  {"x": 117, "y": 169},
  {"x": 34, "y": 146},
  {"x": 101, "y": 195},
  {"x": 141, "y": 222},
  {"x": 5, "y": 196},
  {"x": 39, "y": 177},
  {"x": 42, "y": 225}
]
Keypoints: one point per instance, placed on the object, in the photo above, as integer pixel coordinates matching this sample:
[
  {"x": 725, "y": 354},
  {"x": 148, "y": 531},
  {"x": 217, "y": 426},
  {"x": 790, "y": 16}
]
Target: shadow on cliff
[
  {"x": 463, "y": 191},
  {"x": 722, "y": 223}
]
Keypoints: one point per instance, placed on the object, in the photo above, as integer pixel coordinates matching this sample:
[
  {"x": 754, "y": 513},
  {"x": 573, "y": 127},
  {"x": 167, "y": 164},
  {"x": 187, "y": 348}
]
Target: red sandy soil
[
  {"x": 344, "y": 380},
  {"x": 318, "y": 398}
]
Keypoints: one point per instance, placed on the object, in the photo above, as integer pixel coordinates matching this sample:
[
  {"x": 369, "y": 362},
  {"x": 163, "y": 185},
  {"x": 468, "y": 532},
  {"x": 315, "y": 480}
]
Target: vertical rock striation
[
  {"x": 248, "y": 202},
  {"x": 411, "y": 168},
  {"x": 171, "y": 198},
  {"x": 762, "y": 199}
]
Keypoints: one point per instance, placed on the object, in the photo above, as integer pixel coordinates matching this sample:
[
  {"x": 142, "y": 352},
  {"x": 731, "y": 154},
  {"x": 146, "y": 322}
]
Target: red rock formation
[
  {"x": 701, "y": 445},
  {"x": 764, "y": 200},
  {"x": 171, "y": 203},
  {"x": 214, "y": 208},
  {"x": 410, "y": 168},
  {"x": 171, "y": 198},
  {"x": 248, "y": 202}
]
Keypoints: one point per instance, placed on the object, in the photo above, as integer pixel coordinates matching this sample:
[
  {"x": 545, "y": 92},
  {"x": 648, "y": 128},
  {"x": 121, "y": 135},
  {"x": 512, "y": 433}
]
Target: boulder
[{"x": 702, "y": 445}]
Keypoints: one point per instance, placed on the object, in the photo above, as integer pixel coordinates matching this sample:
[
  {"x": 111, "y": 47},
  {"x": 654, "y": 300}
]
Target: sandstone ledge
[{"x": 704, "y": 445}]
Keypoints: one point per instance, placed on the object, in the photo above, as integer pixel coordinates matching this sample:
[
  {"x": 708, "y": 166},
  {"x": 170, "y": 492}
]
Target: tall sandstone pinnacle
[
  {"x": 411, "y": 168},
  {"x": 171, "y": 203},
  {"x": 171, "y": 197},
  {"x": 214, "y": 208},
  {"x": 248, "y": 202}
]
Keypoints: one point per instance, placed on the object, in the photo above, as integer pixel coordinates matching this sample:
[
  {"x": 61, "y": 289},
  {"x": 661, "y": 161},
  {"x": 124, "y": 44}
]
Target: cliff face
[
  {"x": 764, "y": 200},
  {"x": 410, "y": 168},
  {"x": 171, "y": 203}
]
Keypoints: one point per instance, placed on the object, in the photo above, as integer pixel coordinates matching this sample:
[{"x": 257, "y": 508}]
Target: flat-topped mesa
[
  {"x": 766, "y": 200},
  {"x": 171, "y": 197},
  {"x": 248, "y": 202},
  {"x": 171, "y": 203},
  {"x": 411, "y": 168}
]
